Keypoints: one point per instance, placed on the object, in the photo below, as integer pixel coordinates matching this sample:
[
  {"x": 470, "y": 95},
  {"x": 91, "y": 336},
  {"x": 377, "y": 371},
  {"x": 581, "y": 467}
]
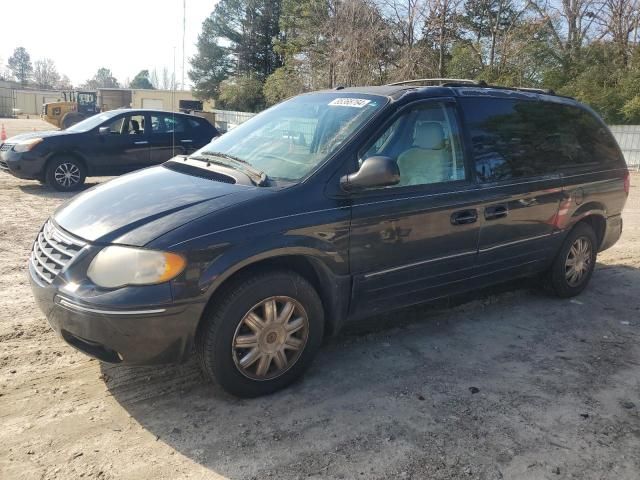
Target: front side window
[
  {"x": 425, "y": 143},
  {"x": 291, "y": 139},
  {"x": 92, "y": 122},
  {"x": 128, "y": 125}
]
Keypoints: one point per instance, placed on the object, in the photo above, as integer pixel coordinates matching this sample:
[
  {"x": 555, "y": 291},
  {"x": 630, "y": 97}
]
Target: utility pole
[{"x": 184, "y": 28}]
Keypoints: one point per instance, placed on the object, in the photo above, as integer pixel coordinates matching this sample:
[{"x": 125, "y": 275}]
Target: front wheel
[
  {"x": 263, "y": 334},
  {"x": 573, "y": 267},
  {"x": 65, "y": 174},
  {"x": 70, "y": 119}
]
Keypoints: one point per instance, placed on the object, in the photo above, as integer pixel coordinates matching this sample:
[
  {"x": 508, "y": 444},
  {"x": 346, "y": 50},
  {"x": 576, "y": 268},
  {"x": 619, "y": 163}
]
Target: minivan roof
[{"x": 395, "y": 92}]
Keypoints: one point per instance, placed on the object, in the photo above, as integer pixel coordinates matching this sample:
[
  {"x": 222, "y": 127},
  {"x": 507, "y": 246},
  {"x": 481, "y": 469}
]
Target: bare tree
[
  {"x": 619, "y": 21},
  {"x": 166, "y": 79},
  {"x": 64, "y": 83},
  {"x": 570, "y": 23},
  {"x": 153, "y": 78},
  {"x": 407, "y": 18},
  {"x": 45, "y": 73},
  {"x": 441, "y": 28}
]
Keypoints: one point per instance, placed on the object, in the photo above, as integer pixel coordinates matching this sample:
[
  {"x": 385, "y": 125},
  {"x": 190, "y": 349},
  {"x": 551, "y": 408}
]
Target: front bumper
[
  {"x": 26, "y": 165},
  {"x": 135, "y": 335}
]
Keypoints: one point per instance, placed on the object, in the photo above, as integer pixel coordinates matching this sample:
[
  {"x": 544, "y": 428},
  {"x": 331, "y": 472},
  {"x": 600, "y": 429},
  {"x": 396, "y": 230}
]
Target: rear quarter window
[{"x": 521, "y": 138}]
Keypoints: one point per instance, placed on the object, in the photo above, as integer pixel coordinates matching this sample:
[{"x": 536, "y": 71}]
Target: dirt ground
[{"x": 510, "y": 385}]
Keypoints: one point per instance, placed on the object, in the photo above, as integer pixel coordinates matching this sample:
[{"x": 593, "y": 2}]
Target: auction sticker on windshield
[{"x": 350, "y": 102}]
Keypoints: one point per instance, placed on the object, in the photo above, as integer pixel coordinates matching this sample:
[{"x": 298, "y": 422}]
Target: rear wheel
[
  {"x": 263, "y": 334},
  {"x": 65, "y": 174},
  {"x": 574, "y": 265}
]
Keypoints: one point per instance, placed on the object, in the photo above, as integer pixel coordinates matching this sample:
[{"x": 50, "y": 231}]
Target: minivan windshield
[
  {"x": 291, "y": 139},
  {"x": 91, "y": 122}
]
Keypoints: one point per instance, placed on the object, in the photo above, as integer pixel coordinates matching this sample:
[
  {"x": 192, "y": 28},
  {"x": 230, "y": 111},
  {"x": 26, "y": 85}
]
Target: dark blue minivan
[{"x": 326, "y": 208}]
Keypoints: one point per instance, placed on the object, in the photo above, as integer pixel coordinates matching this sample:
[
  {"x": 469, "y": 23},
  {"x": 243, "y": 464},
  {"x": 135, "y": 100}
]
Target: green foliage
[
  {"x": 282, "y": 84},
  {"x": 141, "y": 80},
  {"x": 241, "y": 93},
  {"x": 237, "y": 40},
  {"x": 292, "y": 46},
  {"x": 102, "y": 79},
  {"x": 20, "y": 65}
]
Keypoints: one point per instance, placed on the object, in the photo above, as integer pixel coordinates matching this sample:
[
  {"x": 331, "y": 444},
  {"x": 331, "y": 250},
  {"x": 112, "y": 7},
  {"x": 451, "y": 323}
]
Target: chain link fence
[{"x": 227, "y": 119}]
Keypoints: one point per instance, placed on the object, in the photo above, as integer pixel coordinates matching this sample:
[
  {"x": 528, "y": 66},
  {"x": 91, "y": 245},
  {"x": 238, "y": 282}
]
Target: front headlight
[
  {"x": 118, "y": 266},
  {"x": 26, "y": 145}
]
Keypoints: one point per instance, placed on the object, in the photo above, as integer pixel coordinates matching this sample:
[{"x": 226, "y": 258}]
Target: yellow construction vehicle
[{"x": 75, "y": 107}]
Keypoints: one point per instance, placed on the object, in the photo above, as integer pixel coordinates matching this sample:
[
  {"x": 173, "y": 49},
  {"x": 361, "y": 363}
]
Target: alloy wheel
[
  {"x": 67, "y": 174},
  {"x": 270, "y": 338},
  {"x": 578, "y": 261}
]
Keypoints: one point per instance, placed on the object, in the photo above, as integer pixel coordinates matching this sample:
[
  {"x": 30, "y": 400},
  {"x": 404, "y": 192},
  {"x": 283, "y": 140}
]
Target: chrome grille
[
  {"x": 52, "y": 251},
  {"x": 6, "y": 147}
]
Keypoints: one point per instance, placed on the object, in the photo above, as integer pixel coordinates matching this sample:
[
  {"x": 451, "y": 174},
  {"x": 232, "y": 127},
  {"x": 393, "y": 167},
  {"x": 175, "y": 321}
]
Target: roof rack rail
[
  {"x": 546, "y": 91},
  {"x": 476, "y": 83},
  {"x": 440, "y": 81}
]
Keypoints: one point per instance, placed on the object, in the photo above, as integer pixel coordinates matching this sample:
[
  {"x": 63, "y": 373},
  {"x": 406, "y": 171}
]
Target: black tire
[
  {"x": 222, "y": 324},
  {"x": 558, "y": 277},
  {"x": 57, "y": 170},
  {"x": 71, "y": 118}
]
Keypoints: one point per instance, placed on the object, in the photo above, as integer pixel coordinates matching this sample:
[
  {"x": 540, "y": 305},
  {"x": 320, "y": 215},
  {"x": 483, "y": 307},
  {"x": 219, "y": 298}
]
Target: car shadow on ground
[
  {"x": 42, "y": 190},
  {"x": 369, "y": 384}
]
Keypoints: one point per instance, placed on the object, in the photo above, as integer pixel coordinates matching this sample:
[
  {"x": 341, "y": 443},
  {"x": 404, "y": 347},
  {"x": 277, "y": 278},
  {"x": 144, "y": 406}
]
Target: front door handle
[
  {"x": 186, "y": 141},
  {"x": 495, "y": 211},
  {"x": 141, "y": 142},
  {"x": 464, "y": 217}
]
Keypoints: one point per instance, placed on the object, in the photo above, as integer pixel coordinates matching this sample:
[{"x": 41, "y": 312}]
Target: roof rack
[
  {"x": 440, "y": 81},
  {"x": 477, "y": 83}
]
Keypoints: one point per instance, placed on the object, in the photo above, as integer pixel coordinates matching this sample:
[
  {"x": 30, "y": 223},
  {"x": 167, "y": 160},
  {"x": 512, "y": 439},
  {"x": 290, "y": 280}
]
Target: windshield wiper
[{"x": 257, "y": 176}]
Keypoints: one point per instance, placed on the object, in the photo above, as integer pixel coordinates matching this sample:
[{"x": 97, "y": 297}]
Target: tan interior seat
[{"x": 427, "y": 161}]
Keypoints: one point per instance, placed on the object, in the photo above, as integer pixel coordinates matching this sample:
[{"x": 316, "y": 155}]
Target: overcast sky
[{"x": 81, "y": 36}]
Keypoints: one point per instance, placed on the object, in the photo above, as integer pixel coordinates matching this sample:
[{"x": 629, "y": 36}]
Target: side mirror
[
  {"x": 374, "y": 172},
  {"x": 104, "y": 130}
]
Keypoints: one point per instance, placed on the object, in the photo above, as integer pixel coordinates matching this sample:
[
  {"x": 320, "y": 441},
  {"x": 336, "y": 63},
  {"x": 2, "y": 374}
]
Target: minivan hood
[{"x": 136, "y": 208}]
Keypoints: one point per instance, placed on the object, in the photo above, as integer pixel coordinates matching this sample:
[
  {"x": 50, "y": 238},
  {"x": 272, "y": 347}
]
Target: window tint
[
  {"x": 167, "y": 124},
  {"x": 129, "y": 125},
  {"x": 425, "y": 143},
  {"x": 514, "y": 139},
  {"x": 195, "y": 123}
]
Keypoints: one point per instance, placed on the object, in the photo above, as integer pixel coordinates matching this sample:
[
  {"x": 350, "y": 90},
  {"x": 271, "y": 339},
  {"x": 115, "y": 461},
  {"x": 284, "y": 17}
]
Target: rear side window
[
  {"x": 167, "y": 124},
  {"x": 516, "y": 138}
]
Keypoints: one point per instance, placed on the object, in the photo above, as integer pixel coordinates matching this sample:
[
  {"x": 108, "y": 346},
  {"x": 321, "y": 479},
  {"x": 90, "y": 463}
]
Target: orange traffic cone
[{"x": 3, "y": 134}]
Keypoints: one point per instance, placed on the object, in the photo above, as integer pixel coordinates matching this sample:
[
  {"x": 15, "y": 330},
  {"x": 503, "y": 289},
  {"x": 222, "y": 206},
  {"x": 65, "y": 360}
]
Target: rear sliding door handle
[
  {"x": 186, "y": 141},
  {"x": 495, "y": 211},
  {"x": 464, "y": 217},
  {"x": 141, "y": 142}
]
